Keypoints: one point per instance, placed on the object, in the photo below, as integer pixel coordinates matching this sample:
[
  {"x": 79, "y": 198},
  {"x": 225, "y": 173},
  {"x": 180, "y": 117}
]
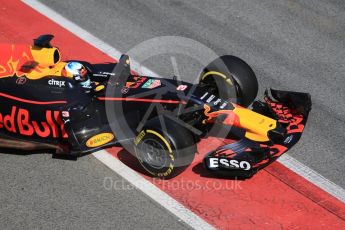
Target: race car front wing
[{"x": 245, "y": 157}]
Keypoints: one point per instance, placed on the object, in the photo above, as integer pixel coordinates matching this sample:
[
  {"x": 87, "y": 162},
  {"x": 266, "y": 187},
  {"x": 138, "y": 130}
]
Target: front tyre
[
  {"x": 164, "y": 152},
  {"x": 230, "y": 77}
]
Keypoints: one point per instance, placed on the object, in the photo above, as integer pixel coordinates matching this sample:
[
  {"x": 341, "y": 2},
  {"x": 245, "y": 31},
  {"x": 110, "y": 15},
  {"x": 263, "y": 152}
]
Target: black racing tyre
[
  {"x": 164, "y": 152},
  {"x": 231, "y": 78}
]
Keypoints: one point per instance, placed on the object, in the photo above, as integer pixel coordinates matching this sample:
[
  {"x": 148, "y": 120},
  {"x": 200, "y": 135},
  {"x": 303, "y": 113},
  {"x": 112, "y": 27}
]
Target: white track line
[
  {"x": 312, "y": 176},
  {"x": 133, "y": 177},
  {"x": 152, "y": 191}
]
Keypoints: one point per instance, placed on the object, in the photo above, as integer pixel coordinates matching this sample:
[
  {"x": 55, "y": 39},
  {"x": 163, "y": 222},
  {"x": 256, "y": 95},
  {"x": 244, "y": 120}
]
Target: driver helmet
[{"x": 78, "y": 71}]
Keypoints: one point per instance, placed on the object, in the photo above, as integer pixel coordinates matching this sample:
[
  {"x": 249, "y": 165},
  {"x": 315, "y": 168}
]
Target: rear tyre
[
  {"x": 164, "y": 152},
  {"x": 229, "y": 77}
]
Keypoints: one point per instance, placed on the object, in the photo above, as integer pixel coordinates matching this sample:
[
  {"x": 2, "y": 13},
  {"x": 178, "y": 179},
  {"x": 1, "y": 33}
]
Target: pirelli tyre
[
  {"x": 229, "y": 77},
  {"x": 164, "y": 148}
]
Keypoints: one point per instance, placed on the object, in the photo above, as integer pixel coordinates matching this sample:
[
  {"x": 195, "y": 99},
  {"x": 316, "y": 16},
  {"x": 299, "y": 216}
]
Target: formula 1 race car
[{"x": 77, "y": 108}]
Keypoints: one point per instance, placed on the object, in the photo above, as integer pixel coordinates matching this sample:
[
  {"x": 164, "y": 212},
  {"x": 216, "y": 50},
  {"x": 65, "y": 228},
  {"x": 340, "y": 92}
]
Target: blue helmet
[{"x": 77, "y": 69}]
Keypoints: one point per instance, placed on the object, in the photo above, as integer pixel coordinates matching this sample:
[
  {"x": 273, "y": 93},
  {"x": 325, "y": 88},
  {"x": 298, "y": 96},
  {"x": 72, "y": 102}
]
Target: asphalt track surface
[
  {"x": 40, "y": 193},
  {"x": 291, "y": 45}
]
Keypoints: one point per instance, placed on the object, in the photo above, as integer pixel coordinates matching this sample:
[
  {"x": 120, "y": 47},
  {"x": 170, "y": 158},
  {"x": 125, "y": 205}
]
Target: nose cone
[{"x": 277, "y": 134}]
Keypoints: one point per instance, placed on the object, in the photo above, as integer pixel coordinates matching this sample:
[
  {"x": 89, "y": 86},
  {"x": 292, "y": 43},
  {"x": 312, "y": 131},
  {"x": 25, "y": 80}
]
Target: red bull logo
[
  {"x": 20, "y": 122},
  {"x": 230, "y": 118}
]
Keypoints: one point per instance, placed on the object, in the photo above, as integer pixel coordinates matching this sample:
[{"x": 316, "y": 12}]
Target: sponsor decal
[
  {"x": 181, "y": 87},
  {"x": 210, "y": 98},
  {"x": 20, "y": 122},
  {"x": 103, "y": 74},
  {"x": 107, "y": 73},
  {"x": 98, "y": 87},
  {"x": 138, "y": 81},
  {"x": 124, "y": 90},
  {"x": 203, "y": 96},
  {"x": 230, "y": 119},
  {"x": 216, "y": 102},
  {"x": 56, "y": 83},
  {"x": 65, "y": 114},
  {"x": 167, "y": 173},
  {"x": 224, "y": 105},
  {"x": 139, "y": 137},
  {"x": 99, "y": 140},
  {"x": 151, "y": 84},
  {"x": 21, "y": 80},
  {"x": 288, "y": 139},
  {"x": 214, "y": 162}
]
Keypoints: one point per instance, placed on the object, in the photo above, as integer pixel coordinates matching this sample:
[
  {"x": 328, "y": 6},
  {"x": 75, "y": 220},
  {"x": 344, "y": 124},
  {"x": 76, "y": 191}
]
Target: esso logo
[{"x": 228, "y": 163}]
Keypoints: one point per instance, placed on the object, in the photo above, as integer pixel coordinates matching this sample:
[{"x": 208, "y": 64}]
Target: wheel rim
[
  {"x": 153, "y": 153},
  {"x": 210, "y": 80}
]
